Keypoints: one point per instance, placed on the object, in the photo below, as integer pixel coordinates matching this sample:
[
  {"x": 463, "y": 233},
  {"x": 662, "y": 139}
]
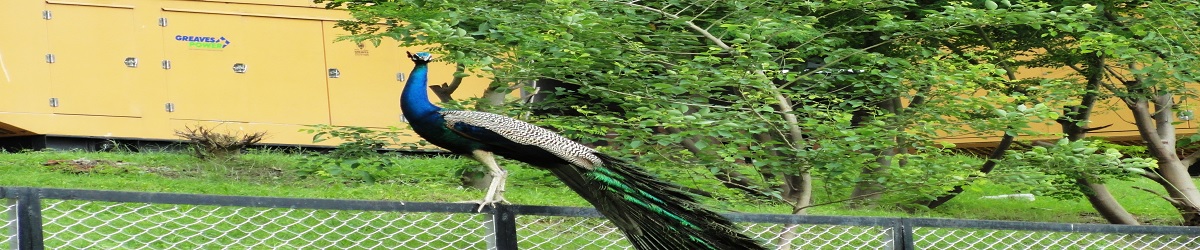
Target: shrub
[
  {"x": 207, "y": 144},
  {"x": 357, "y": 159}
]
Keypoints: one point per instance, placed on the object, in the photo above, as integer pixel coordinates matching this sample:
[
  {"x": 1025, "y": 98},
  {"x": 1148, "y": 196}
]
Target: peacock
[{"x": 652, "y": 213}]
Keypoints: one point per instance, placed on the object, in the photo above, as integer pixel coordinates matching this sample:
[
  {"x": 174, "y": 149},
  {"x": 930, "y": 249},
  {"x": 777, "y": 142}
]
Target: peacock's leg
[{"x": 495, "y": 192}]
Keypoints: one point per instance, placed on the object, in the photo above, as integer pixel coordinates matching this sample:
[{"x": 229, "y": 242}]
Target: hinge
[
  {"x": 131, "y": 62},
  {"x": 402, "y": 119},
  {"x": 239, "y": 68},
  {"x": 170, "y": 107},
  {"x": 162, "y": 21},
  {"x": 334, "y": 73},
  {"x": 400, "y": 77},
  {"x": 166, "y": 64},
  {"x": 47, "y": 15},
  {"x": 49, "y": 58},
  {"x": 53, "y": 102}
]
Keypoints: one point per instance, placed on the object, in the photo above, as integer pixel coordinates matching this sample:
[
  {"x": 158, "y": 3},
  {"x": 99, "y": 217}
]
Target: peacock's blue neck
[{"x": 414, "y": 101}]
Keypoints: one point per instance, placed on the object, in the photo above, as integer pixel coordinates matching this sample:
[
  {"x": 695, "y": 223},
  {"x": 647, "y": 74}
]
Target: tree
[
  {"x": 1149, "y": 53},
  {"x": 767, "y": 96},
  {"x": 1141, "y": 53}
]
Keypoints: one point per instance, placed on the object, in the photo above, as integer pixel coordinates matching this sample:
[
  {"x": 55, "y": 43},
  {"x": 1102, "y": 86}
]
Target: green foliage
[
  {"x": 357, "y": 159},
  {"x": 1052, "y": 170},
  {"x": 781, "y": 88},
  {"x": 927, "y": 176}
]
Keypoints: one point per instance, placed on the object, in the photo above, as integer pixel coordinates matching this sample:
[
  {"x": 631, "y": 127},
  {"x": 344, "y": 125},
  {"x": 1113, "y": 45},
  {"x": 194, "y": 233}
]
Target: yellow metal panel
[
  {"x": 1112, "y": 112},
  {"x": 286, "y": 70},
  {"x": 88, "y": 75},
  {"x": 201, "y": 83},
  {"x": 367, "y": 93},
  {"x": 274, "y": 3},
  {"x": 24, "y": 73},
  {"x": 257, "y": 8},
  {"x": 77, "y": 125},
  {"x": 276, "y": 133}
]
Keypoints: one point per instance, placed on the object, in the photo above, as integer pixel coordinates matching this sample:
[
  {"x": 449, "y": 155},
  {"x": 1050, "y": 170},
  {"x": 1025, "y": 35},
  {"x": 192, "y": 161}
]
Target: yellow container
[{"x": 131, "y": 69}]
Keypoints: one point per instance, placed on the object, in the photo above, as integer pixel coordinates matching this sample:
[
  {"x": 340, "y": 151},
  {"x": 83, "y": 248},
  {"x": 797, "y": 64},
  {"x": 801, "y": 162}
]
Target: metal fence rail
[{"x": 40, "y": 218}]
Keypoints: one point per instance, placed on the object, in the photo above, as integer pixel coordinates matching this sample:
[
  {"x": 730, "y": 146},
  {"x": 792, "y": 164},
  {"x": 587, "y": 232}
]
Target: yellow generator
[{"x": 84, "y": 71}]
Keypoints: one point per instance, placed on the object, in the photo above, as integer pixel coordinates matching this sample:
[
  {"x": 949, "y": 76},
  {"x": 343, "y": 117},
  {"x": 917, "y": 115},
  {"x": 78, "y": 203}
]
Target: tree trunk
[
  {"x": 868, "y": 190},
  {"x": 1156, "y": 129},
  {"x": 798, "y": 189},
  {"x": 1105, "y": 203},
  {"x": 493, "y": 96},
  {"x": 1097, "y": 194}
]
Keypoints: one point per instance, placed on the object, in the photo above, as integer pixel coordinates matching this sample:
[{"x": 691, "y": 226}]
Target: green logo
[{"x": 203, "y": 42}]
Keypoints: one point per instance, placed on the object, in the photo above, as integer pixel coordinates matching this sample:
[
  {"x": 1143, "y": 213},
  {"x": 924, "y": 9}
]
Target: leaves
[
  {"x": 357, "y": 158},
  {"x": 860, "y": 77}
]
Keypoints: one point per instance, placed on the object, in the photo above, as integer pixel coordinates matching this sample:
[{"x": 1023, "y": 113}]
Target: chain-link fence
[
  {"x": 8, "y": 220},
  {"x": 85, "y": 219},
  {"x": 958, "y": 238},
  {"x": 70, "y": 224}
]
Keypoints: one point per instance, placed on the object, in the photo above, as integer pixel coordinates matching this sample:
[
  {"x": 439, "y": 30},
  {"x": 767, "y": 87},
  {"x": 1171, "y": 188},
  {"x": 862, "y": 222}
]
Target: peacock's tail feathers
[{"x": 652, "y": 213}]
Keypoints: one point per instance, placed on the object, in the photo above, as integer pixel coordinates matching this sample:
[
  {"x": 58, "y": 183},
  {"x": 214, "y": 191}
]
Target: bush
[
  {"x": 357, "y": 159},
  {"x": 206, "y": 144}
]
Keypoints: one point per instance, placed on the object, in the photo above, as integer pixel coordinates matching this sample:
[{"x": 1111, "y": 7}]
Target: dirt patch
[
  {"x": 101, "y": 166},
  {"x": 87, "y": 166}
]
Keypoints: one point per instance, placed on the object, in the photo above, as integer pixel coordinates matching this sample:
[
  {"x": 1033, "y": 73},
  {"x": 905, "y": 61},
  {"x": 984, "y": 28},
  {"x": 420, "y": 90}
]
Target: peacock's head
[{"x": 420, "y": 57}]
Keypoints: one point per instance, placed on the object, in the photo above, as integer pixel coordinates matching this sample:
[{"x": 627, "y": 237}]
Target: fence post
[
  {"x": 504, "y": 228},
  {"x": 29, "y": 220},
  {"x": 902, "y": 235}
]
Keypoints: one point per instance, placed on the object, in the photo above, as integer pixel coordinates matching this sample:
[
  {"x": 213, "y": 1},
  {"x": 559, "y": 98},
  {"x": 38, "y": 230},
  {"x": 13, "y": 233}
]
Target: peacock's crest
[{"x": 421, "y": 56}]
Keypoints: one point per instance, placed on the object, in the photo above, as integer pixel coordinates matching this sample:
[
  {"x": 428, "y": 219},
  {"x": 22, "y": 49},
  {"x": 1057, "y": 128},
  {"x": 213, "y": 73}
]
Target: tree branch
[
  {"x": 728, "y": 177},
  {"x": 1173, "y": 201},
  {"x": 987, "y": 167},
  {"x": 443, "y": 91},
  {"x": 1145, "y": 122},
  {"x": 1190, "y": 159}
]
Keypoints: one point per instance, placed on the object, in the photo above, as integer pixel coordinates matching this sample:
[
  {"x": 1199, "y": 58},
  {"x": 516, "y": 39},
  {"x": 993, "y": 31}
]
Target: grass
[
  {"x": 265, "y": 173},
  {"x": 252, "y": 174}
]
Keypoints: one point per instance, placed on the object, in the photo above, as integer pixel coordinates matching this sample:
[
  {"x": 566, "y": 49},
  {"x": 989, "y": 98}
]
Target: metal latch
[
  {"x": 334, "y": 73},
  {"x": 131, "y": 62},
  {"x": 239, "y": 68}
]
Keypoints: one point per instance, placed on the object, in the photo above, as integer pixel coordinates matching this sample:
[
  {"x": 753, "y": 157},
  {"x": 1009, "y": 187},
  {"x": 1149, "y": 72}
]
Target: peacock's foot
[
  {"x": 495, "y": 191},
  {"x": 484, "y": 203}
]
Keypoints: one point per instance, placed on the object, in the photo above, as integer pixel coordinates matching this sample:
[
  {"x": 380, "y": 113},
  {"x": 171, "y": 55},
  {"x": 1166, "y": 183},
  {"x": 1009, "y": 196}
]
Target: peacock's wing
[{"x": 505, "y": 132}]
